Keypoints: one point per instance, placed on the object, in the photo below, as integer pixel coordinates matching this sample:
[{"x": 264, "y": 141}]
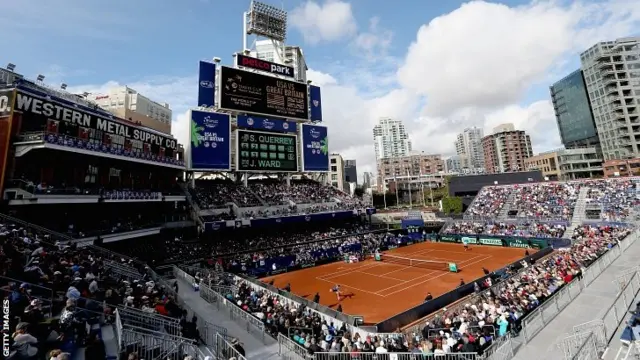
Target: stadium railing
[
  {"x": 225, "y": 350},
  {"x": 290, "y": 350},
  {"x": 46, "y": 295},
  {"x": 151, "y": 344},
  {"x": 594, "y": 336},
  {"x": 394, "y": 356},
  {"x": 500, "y": 349},
  {"x": 123, "y": 271},
  {"x": 534, "y": 322},
  {"x": 252, "y": 324}
]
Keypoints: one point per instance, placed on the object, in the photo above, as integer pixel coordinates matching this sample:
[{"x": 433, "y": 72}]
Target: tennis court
[{"x": 378, "y": 290}]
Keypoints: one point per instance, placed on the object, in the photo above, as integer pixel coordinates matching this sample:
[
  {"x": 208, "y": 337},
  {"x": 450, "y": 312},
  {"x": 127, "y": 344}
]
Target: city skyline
[{"x": 372, "y": 60}]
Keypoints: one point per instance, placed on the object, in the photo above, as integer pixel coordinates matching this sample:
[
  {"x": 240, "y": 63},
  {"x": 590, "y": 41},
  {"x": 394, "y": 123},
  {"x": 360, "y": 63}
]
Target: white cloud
[
  {"x": 330, "y": 21},
  {"x": 486, "y": 55},
  {"x": 376, "y": 41},
  {"x": 472, "y": 67}
]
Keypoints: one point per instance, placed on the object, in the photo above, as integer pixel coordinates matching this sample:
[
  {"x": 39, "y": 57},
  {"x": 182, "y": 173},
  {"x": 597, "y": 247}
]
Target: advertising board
[
  {"x": 210, "y": 138},
  {"x": 253, "y": 93},
  {"x": 263, "y": 65},
  {"x": 315, "y": 148}
]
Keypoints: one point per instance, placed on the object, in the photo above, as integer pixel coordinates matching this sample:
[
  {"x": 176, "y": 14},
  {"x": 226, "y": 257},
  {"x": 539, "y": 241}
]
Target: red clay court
[{"x": 379, "y": 290}]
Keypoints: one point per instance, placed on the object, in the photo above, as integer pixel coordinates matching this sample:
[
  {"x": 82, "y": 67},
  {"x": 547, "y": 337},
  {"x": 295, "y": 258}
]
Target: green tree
[
  {"x": 359, "y": 191},
  {"x": 452, "y": 205}
]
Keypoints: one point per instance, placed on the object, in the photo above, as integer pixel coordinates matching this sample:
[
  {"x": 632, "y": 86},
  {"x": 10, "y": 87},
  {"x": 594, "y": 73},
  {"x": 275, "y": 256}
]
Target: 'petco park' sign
[{"x": 267, "y": 66}]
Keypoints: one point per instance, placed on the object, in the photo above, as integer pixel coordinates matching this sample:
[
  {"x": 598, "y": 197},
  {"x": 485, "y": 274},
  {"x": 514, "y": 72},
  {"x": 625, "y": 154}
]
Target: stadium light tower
[
  {"x": 63, "y": 86},
  {"x": 40, "y": 78},
  {"x": 11, "y": 67},
  {"x": 266, "y": 21}
]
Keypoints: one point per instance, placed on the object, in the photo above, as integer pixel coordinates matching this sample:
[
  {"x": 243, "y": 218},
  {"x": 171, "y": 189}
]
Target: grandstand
[
  {"x": 120, "y": 243},
  {"x": 187, "y": 284}
]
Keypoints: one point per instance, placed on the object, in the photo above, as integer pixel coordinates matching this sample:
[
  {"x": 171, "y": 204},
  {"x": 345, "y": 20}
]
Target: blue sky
[{"x": 438, "y": 65}]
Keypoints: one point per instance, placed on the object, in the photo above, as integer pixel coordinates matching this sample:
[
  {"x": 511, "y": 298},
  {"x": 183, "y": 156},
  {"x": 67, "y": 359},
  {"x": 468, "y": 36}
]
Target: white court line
[
  {"x": 433, "y": 272},
  {"x": 381, "y": 276},
  {"x": 419, "y": 277},
  {"x": 348, "y": 270},
  {"x": 404, "y": 267},
  {"x": 347, "y": 287},
  {"x": 424, "y": 281}
]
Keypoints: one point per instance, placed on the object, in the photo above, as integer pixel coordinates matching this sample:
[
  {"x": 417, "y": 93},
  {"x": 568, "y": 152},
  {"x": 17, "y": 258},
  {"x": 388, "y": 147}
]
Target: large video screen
[
  {"x": 259, "y": 94},
  {"x": 262, "y": 152}
]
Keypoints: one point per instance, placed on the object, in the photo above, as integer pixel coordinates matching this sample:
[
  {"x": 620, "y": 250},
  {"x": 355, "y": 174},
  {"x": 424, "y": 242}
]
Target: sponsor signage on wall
[{"x": 262, "y": 65}]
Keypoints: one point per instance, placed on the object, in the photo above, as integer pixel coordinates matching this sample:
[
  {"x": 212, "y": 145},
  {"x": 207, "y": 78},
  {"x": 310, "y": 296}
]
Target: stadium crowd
[
  {"x": 57, "y": 292},
  {"x": 617, "y": 196},
  {"x": 522, "y": 293},
  {"x": 530, "y": 228},
  {"x": 242, "y": 247},
  {"x": 556, "y": 200},
  {"x": 212, "y": 194},
  {"x": 489, "y": 201}
]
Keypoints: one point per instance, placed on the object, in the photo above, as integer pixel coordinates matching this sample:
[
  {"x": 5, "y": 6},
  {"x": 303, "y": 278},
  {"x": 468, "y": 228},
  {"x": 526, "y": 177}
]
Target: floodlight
[
  {"x": 63, "y": 86},
  {"x": 40, "y": 77},
  {"x": 11, "y": 66},
  {"x": 268, "y": 21}
]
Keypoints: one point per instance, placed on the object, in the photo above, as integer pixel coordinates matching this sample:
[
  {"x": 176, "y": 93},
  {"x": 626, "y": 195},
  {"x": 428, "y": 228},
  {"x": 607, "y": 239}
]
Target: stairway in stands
[
  {"x": 579, "y": 212},
  {"x": 250, "y": 191},
  {"x": 195, "y": 208},
  {"x": 504, "y": 212}
]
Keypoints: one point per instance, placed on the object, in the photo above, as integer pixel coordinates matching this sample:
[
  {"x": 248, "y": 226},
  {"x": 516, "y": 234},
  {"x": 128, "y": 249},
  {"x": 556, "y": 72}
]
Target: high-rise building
[
  {"x": 469, "y": 147},
  {"x": 336, "y": 172},
  {"x": 350, "y": 171},
  {"x": 414, "y": 165},
  {"x": 573, "y": 112},
  {"x": 612, "y": 76},
  {"x": 506, "y": 149},
  {"x": 453, "y": 164},
  {"x": 128, "y": 104},
  {"x": 367, "y": 182},
  {"x": 391, "y": 139},
  {"x": 567, "y": 164},
  {"x": 291, "y": 56}
]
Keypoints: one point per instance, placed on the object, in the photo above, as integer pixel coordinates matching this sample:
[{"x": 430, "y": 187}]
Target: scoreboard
[{"x": 266, "y": 152}]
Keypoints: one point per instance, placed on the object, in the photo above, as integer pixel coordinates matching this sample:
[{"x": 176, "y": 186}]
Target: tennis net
[{"x": 427, "y": 264}]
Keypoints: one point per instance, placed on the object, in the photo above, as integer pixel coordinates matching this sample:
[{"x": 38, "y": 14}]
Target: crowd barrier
[
  {"x": 155, "y": 322},
  {"x": 534, "y": 322},
  {"x": 436, "y": 306},
  {"x": 150, "y": 344},
  {"x": 595, "y": 335},
  {"x": 225, "y": 350},
  {"x": 500, "y": 349},
  {"x": 290, "y": 350},
  {"x": 394, "y": 356},
  {"x": 583, "y": 341},
  {"x": 122, "y": 271},
  {"x": 252, "y": 324}
]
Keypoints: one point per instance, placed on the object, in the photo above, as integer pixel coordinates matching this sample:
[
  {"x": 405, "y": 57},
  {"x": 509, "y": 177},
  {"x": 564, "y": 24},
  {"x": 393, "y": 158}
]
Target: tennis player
[
  {"x": 336, "y": 290},
  {"x": 465, "y": 243}
]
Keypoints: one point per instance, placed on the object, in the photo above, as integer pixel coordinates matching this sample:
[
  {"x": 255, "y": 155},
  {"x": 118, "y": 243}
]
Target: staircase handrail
[{"x": 37, "y": 227}]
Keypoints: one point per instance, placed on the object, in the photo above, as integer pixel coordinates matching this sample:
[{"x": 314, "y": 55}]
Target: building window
[{"x": 334, "y": 177}]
